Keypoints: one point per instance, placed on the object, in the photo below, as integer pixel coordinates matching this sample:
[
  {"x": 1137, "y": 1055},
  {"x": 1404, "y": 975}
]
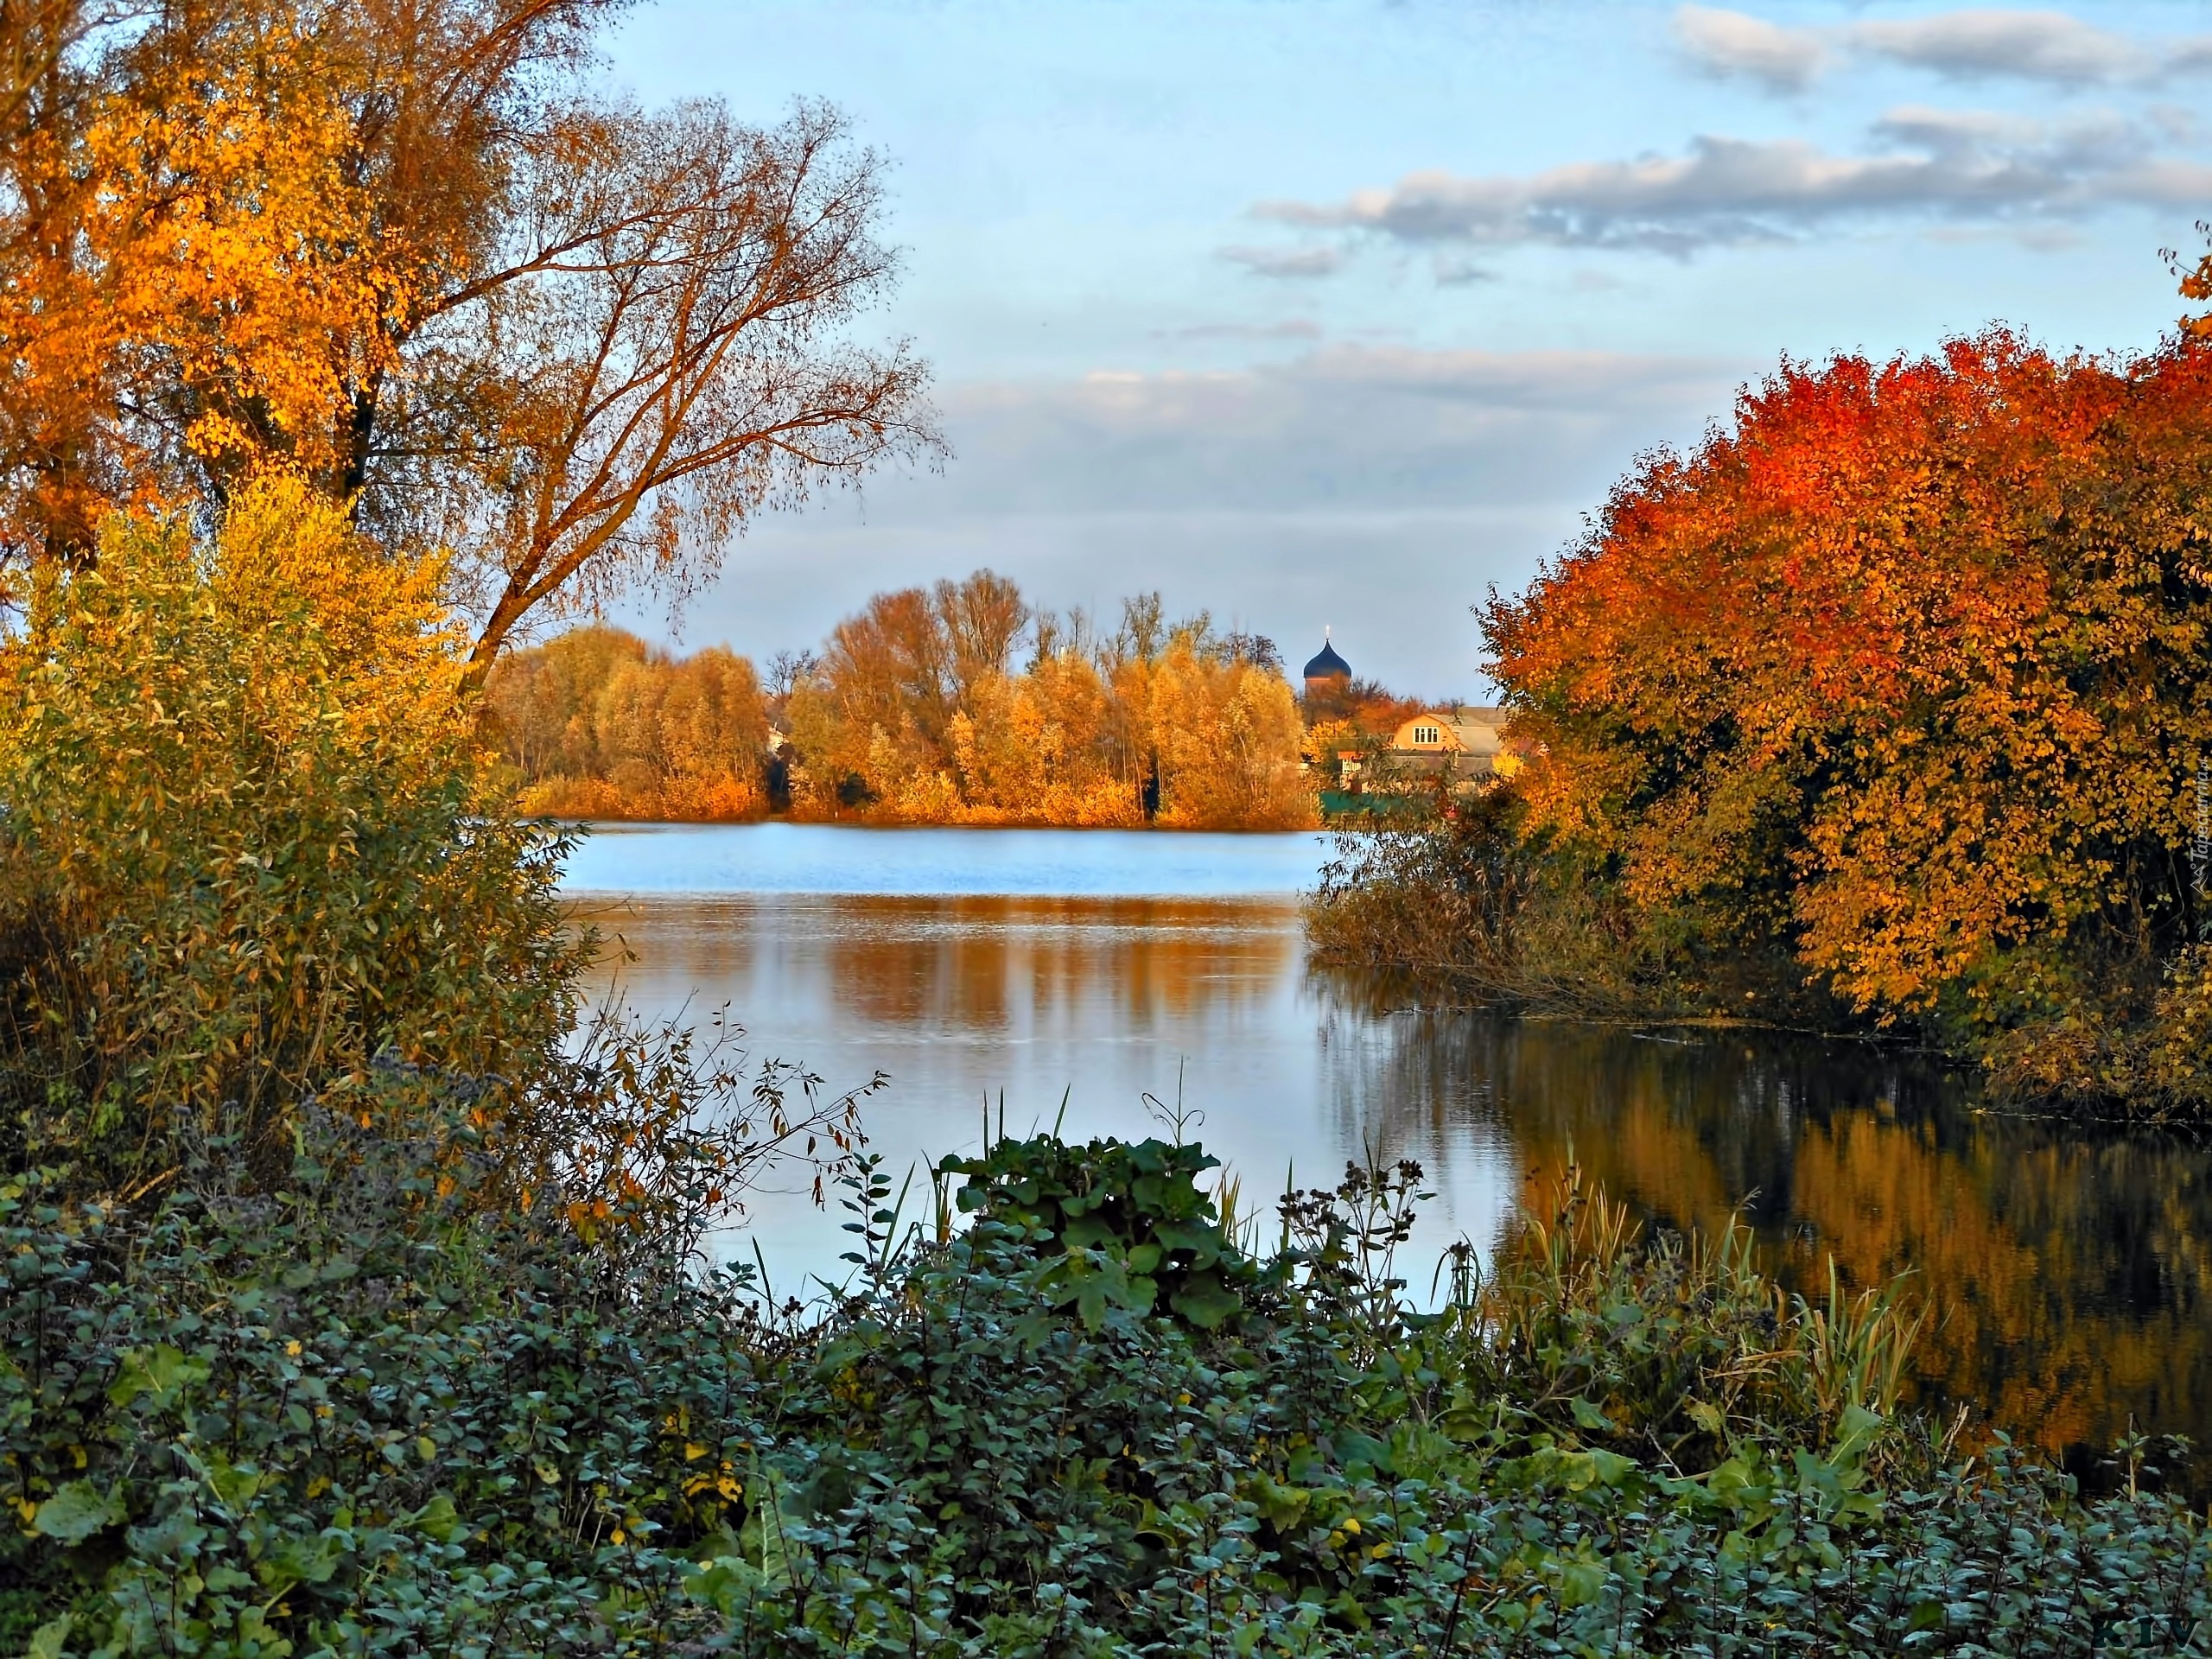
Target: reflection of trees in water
[
  {"x": 985, "y": 963},
  {"x": 1401, "y": 1081},
  {"x": 2073, "y": 1273},
  {"x": 2069, "y": 1274},
  {"x": 980, "y": 964}
]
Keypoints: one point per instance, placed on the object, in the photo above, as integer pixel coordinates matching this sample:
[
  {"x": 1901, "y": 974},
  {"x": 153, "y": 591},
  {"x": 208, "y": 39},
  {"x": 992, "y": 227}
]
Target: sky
[{"x": 1341, "y": 313}]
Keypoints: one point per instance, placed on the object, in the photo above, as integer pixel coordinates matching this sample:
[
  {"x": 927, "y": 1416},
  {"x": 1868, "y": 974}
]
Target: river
[{"x": 1109, "y": 980}]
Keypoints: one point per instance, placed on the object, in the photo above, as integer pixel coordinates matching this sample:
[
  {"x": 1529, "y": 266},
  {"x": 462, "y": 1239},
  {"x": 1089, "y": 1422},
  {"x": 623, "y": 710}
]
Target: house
[{"x": 1463, "y": 744}]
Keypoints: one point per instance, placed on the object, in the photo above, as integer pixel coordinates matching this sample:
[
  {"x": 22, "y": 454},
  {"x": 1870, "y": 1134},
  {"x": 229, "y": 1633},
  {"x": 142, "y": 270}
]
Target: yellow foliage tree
[
  {"x": 1164, "y": 724},
  {"x": 1228, "y": 736},
  {"x": 250, "y": 842},
  {"x": 598, "y": 726},
  {"x": 196, "y": 275},
  {"x": 1030, "y": 749}
]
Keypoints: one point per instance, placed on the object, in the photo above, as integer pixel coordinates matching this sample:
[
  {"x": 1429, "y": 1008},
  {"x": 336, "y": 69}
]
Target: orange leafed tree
[
  {"x": 1905, "y": 672},
  {"x": 194, "y": 272},
  {"x": 406, "y": 250},
  {"x": 598, "y": 725},
  {"x": 916, "y": 712}
]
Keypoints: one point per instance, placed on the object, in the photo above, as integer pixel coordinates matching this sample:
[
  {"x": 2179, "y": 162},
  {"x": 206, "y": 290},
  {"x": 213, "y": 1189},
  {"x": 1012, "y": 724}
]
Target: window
[{"x": 1427, "y": 735}]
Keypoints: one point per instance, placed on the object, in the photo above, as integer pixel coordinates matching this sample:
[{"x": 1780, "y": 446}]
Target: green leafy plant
[
  {"x": 366, "y": 1412},
  {"x": 1119, "y": 1223}
]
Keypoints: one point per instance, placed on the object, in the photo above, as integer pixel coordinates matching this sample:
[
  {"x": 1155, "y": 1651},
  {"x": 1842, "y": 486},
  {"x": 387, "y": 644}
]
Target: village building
[{"x": 1462, "y": 744}]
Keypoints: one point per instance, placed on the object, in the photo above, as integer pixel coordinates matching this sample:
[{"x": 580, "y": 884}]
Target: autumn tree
[
  {"x": 596, "y": 724},
  {"x": 250, "y": 843},
  {"x": 983, "y": 618},
  {"x": 1228, "y": 735},
  {"x": 1036, "y": 748},
  {"x": 1905, "y": 676},
  {"x": 540, "y": 704},
  {"x": 405, "y": 250},
  {"x": 880, "y": 701},
  {"x": 190, "y": 263},
  {"x": 915, "y": 713},
  {"x": 667, "y": 342}
]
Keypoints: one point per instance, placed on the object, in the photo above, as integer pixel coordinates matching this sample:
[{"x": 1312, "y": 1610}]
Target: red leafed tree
[{"x": 1905, "y": 672}]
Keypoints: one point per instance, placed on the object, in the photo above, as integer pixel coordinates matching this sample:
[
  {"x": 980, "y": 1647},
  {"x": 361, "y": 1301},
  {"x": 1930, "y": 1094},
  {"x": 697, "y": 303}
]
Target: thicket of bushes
[
  {"x": 367, "y": 1412},
  {"x": 248, "y": 844}
]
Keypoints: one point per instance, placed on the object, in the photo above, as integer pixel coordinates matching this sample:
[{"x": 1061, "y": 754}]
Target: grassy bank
[
  {"x": 1471, "y": 907},
  {"x": 367, "y": 1411},
  {"x": 1465, "y": 906}
]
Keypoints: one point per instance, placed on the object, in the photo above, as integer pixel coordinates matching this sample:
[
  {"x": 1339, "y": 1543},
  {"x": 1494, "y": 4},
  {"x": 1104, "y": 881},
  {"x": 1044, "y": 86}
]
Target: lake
[{"x": 2068, "y": 1276}]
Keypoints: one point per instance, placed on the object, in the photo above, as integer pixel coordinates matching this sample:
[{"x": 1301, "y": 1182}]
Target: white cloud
[
  {"x": 1731, "y": 43},
  {"x": 1384, "y": 426},
  {"x": 1380, "y": 488},
  {"x": 2031, "y": 45},
  {"x": 1977, "y": 43},
  {"x": 1927, "y": 163},
  {"x": 1318, "y": 261}
]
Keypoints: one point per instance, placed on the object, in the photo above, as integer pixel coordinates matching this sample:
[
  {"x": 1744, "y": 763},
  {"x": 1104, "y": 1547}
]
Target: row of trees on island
[{"x": 960, "y": 704}]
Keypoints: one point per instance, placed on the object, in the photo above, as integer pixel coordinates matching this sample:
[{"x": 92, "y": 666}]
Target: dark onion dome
[{"x": 1328, "y": 665}]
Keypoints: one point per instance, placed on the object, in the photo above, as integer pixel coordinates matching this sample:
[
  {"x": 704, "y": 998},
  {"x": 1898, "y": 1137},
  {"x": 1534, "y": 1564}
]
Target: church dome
[{"x": 1328, "y": 665}]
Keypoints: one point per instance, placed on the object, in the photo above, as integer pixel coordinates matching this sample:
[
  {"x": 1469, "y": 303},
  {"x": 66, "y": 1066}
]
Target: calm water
[{"x": 2070, "y": 1277}]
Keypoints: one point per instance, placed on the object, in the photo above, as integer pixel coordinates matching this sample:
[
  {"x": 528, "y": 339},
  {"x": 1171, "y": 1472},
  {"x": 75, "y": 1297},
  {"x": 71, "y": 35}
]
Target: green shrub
[
  {"x": 1115, "y": 1224},
  {"x": 248, "y": 843},
  {"x": 364, "y": 1413}
]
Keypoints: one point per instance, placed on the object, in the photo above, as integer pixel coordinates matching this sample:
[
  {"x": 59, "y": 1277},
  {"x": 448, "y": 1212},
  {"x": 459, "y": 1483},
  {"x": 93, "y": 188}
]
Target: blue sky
[{"x": 1340, "y": 311}]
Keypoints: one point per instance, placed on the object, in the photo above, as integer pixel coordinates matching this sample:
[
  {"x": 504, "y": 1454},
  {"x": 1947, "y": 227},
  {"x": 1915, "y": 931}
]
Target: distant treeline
[
  {"x": 960, "y": 704},
  {"x": 599, "y": 725}
]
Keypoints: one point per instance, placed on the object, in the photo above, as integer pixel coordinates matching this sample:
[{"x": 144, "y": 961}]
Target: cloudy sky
[{"x": 1340, "y": 311}]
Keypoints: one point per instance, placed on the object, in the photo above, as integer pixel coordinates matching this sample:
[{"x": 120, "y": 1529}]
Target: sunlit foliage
[
  {"x": 598, "y": 725},
  {"x": 1905, "y": 676},
  {"x": 416, "y": 254},
  {"x": 916, "y": 712},
  {"x": 249, "y": 843}
]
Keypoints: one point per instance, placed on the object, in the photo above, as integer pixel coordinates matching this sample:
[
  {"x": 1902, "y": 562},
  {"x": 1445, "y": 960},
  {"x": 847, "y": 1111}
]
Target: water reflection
[
  {"x": 973, "y": 966},
  {"x": 2071, "y": 1276},
  {"x": 1099, "y": 1002},
  {"x": 2068, "y": 1276}
]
